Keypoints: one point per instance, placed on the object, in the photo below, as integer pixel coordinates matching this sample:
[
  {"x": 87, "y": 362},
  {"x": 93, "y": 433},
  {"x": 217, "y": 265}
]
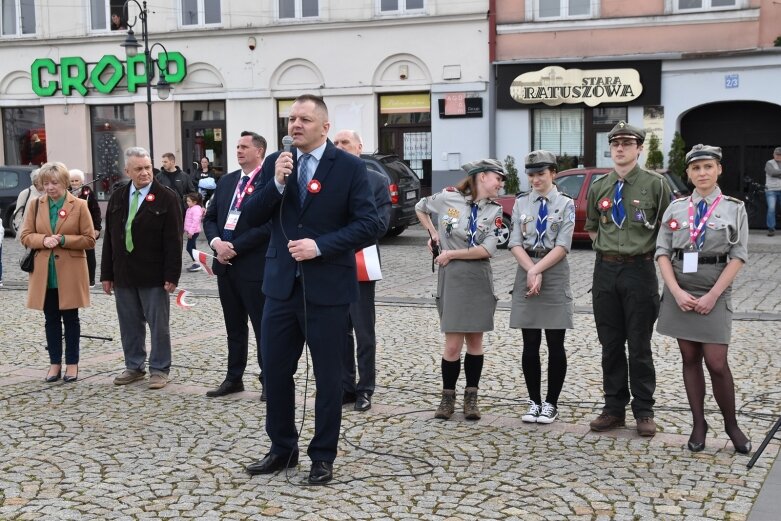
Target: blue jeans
[
  {"x": 772, "y": 196},
  {"x": 55, "y": 318}
]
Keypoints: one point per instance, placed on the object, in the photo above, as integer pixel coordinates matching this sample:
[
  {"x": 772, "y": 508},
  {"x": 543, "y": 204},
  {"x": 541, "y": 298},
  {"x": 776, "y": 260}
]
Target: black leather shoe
[
  {"x": 71, "y": 379},
  {"x": 321, "y": 472},
  {"x": 348, "y": 398},
  {"x": 262, "y": 393},
  {"x": 697, "y": 446},
  {"x": 272, "y": 463},
  {"x": 54, "y": 377},
  {"x": 226, "y": 387},
  {"x": 363, "y": 402}
]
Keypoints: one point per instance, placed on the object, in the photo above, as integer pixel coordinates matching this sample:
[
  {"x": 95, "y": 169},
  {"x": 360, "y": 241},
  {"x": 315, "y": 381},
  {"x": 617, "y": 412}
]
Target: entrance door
[
  {"x": 203, "y": 139},
  {"x": 413, "y": 146}
]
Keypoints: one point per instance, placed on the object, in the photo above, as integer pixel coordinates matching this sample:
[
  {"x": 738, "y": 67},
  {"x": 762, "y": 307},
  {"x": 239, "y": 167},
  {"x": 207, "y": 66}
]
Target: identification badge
[
  {"x": 232, "y": 220},
  {"x": 690, "y": 261}
]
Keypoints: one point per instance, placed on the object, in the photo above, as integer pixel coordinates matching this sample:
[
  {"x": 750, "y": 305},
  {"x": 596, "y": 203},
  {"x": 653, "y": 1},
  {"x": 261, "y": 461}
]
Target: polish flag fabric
[
  {"x": 203, "y": 259},
  {"x": 367, "y": 263},
  {"x": 180, "y": 299}
]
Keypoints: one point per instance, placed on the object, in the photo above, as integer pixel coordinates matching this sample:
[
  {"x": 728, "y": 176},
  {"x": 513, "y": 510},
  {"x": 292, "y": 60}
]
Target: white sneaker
[
  {"x": 533, "y": 414},
  {"x": 548, "y": 413}
]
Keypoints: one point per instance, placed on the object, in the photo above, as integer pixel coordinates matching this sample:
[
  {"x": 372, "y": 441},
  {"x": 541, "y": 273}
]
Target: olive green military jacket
[{"x": 646, "y": 196}]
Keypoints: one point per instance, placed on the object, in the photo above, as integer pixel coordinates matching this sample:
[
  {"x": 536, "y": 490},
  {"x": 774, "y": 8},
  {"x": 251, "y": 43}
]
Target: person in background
[
  {"x": 192, "y": 224},
  {"x": 467, "y": 232},
  {"x": 24, "y": 199},
  {"x": 701, "y": 247},
  {"x": 59, "y": 226},
  {"x": 773, "y": 189},
  {"x": 174, "y": 178},
  {"x": 362, "y": 313},
  {"x": 542, "y": 224},
  {"x": 88, "y": 194},
  {"x": 117, "y": 24},
  {"x": 205, "y": 179}
]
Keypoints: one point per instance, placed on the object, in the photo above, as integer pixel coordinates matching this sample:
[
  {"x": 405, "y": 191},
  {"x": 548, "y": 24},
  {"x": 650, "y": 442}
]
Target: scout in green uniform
[
  {"x": 467, "y": 231},
  {"x": 623, "y": 215},
  {"x": 700, "y": 250}
]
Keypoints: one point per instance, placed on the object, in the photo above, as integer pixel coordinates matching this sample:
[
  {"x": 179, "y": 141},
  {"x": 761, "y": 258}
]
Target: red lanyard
[
  {"x": 695, "y": 232},
  {"x": 248, "y": 189}
]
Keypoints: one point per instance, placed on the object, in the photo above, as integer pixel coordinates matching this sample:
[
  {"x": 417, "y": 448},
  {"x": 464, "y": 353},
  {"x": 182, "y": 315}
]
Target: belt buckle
[{"x": 621, "y": 259}]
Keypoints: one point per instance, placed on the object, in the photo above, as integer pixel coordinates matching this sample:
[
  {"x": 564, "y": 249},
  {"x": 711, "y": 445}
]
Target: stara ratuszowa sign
[{"x": 556, "y": 86}]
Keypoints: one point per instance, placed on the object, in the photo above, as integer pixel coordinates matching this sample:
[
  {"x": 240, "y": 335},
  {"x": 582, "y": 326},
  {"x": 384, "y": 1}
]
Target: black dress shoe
[
  {"x": 71, "y": 379},
  {"x": 52, "y": 378},
  {"x": 697, "y": 446},
  {"x": 272, "y": 463},
  {"x": 321, "y": 472},
  {"x": 363, "y": 402},
  {"x": 262, "y": 393},
  {"x": 226, "y": 387},
  {"x": 348, "y": 398}
]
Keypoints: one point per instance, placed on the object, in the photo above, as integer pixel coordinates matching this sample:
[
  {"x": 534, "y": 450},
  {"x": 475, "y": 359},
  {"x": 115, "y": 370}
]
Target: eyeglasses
[{"x": 623, "y": 143}]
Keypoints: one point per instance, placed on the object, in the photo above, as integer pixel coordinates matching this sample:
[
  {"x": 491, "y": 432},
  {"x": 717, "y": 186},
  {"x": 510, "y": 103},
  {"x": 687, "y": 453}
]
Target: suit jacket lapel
[{"x": 323, "y": 169}]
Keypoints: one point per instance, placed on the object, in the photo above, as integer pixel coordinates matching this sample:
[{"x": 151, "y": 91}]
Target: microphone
[{"x": 287, "y": 142}]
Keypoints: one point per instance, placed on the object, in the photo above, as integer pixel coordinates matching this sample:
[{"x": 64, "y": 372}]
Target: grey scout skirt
[
  {"x": 465, "y": 296},
  {"x": 552, "y": 308}
]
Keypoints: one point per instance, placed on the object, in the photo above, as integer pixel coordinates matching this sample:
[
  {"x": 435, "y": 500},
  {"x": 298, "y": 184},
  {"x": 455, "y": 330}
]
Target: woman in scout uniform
[
  {"x": 700, "y": 249},
  {"x": 467, "y": 230},
  {"x": 543, "y": 221}
]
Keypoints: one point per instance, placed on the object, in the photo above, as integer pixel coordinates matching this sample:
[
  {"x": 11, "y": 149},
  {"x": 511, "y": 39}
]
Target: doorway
[{"x": 203, "y": 134}]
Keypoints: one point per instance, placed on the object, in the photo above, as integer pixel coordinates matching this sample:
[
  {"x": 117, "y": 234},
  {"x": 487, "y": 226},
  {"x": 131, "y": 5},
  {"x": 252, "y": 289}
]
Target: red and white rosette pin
[
  {"x": 250, "y": 189},
  {"x": 62, "y": 213},
  {"x": 604, "y": 204},
  {"x": 150, "y": 198},
  {"x": 498, "y": 222},
  {"x": 86, "y": 191},
  {"x": 673, "y": 224},
  {"x": 314, "y": 186}
]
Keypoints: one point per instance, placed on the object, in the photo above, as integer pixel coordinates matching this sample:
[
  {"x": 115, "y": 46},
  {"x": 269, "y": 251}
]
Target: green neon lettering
[
  {"x": 134, "y": 79},
  {"x": 72, "y": 81},
  {"x": 35, "y": 72},
  {"x": 107, "y": 63},
  {"x": 177, "y": 59}
]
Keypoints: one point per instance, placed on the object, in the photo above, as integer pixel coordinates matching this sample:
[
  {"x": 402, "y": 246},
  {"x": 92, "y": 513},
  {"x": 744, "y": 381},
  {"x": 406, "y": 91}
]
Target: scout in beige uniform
[
  {"x": 623, "y": 214},
  {"x": 542, "y": 224},
  {"x": 467, "y": 230},
  {"x": 701, "y": 248}
]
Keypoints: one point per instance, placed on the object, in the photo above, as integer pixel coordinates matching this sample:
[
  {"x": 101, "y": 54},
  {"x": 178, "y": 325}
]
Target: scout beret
[
  {"x": 624, "y": 129},
  {"x": 703, "y": 152},
  {"x": 539, "y": 160},
  {"x": 484, "y": 165}
]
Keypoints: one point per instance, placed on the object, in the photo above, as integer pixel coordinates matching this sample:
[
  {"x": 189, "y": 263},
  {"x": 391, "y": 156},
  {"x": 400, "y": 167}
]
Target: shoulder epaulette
[
  {"x": 568, "y": 196},
  {"x": 733, "y": 199},
  {"x": 491, "y": 201},
  {"x": 450, "y": 189},
  {"x": 679, "y": 199},
  {"x": 522, "y": 194}
]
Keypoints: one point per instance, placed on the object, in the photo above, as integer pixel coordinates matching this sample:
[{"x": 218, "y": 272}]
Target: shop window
[
  {"x": 559, "y": 131},
  {"x": 683, "y": 6},
  {"x": 113, "y": 131},
  {"x": 24, "y": 134},
  {"x": 400, "y": 6},
  {"x": 17, "y": 17},
  {"x": 107, "y": 15},
  {"x": 283, "y": 112},
  {"x": 298, "y": 9},
  {"x": 547, "y": 9},
  {"x": 200, "y": 12},
  {"x": 608, "y": 115}
]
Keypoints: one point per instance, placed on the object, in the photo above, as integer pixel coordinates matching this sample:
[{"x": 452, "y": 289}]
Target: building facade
[
  {"x": 411, "y": 76},
  {"x": 567, "y": 70}
]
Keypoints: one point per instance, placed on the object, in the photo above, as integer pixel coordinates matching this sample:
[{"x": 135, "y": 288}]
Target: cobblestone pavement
[{"x": 91, "y": 450}]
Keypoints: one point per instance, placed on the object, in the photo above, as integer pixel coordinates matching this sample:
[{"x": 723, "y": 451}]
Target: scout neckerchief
[
  {"x": 542, "y": 221},
  {"x": 473, "y": 225},
  {"x": 697, "y": 226},
  {"x": 619, "y": 213}
]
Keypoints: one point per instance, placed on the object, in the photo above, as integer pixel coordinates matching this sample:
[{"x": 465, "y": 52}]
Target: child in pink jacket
[{"x": 192, "y": 224}]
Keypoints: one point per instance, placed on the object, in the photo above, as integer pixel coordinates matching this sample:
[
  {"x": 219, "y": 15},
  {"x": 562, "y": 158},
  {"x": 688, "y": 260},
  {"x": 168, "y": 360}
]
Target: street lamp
[{"x": 132, "y": 46}]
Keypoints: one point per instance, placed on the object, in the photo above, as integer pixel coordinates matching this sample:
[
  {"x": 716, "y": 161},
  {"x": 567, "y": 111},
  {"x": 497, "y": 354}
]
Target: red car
[{"x": 575, "y": 183}]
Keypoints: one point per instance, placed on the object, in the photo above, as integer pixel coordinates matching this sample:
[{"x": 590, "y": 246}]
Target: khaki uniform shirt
[
  {"x": 453, "y": 209},
  {"x": 726, "y": 229},
  {"x": 646, "y": 196},
  {"x": 560, "y": 224}
]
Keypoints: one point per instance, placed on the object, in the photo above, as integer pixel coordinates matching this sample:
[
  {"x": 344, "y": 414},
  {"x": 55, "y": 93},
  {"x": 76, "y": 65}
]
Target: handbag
[{"x": 27, "y": 262}]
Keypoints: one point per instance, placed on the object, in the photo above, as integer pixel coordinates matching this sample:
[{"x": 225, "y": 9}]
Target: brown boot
[
  {"x": 471, "y": 412},
  {"x": 447, "y": 406},
  {"x": 606, "y": 422},
  {"x": 646, "y": 426}
]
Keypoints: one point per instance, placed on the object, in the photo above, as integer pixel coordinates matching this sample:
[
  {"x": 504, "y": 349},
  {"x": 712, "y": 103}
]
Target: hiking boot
[
  {"x": 606, "y": 422},
  {"x": 158, "y": 381},
  {"x": 471, "y": 412},
  {"x": 447, "y": 406},
  {"x": 548, "y": 413},
  {"x": 533, "y": 413},
  {"x": 646, "y": 426}
]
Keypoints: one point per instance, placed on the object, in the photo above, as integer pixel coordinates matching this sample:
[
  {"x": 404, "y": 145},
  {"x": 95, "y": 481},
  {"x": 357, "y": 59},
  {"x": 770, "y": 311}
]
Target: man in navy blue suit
[
  {"x": 321, "y": 209},
  {"x": 240, "y": 259}
]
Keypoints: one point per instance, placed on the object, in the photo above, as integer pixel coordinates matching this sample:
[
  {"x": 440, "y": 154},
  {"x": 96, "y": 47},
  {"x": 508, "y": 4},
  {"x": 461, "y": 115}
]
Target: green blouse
[{"x": 54, "y": 210}]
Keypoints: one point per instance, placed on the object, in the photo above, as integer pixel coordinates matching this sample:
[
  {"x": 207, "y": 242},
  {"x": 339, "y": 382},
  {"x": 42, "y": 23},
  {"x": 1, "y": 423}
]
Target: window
[
  {"x": 24, "y": 134},
  {"x": 296, "y": 9},
  {"x": 201, "y": 12},
  {"x": 113, "y": 130},
  {"x": 571, "y": 184},
  {"x": 703, "y": 5},
  {"x": 559, "y": 131},
  {"x": 108, "y": 15},
  {"x": 401, "y": 6},
  {"x": 17, "y": 17},
  {"x": 547, "y": 9}
]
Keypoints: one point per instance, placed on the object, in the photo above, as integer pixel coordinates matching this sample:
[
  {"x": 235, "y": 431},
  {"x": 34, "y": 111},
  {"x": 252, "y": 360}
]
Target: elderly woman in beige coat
[{"x": 59, "y": 226}]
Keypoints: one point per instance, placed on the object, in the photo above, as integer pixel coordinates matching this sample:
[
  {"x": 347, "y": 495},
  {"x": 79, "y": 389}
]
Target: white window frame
[
  {"x": 107, "y": 29},
  {"x": 401, "y": 11},
  {"x": 533, "y": 10},
  {"x": 672, "y": 7},
  {"x": 298, "y": 12},
  {"x": 201, "y": 16},
  {"x": 18, "y": 33}
]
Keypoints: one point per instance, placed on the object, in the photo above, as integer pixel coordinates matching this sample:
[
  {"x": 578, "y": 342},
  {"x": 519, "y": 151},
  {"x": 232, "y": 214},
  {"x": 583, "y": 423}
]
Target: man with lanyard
[
  {"x": 240, "y": 259},
  {"x": 623, "y": 214}
]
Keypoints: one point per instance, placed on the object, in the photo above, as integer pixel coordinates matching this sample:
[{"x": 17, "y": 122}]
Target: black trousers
[
  {"x": 363, "y": 343},
  {"x": 626, "y": 304},
  {"x": 241, "y": 300},
  {"x": 91, "y": 265}
]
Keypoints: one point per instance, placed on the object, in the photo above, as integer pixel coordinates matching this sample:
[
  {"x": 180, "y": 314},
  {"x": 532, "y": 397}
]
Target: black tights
[
  {"x": 557, "y": 363},
  {"x": 715, "y": 356}
]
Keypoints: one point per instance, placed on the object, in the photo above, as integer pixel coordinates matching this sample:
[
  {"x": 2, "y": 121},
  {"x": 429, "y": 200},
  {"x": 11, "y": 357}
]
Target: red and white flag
[
  {"x": 180, "y": 299},
  {"x": 367, "y": 263},
  {"x": 202, "y": 258}
]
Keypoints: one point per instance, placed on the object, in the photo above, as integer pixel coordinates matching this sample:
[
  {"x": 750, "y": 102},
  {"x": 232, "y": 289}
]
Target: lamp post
[{"x": 132, "y": 46}]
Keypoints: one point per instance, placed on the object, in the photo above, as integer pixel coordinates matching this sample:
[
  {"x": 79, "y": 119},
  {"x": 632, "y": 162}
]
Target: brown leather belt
[
  {"x": 537, "y": 254},
  {"x": 711, "y": 259},
  {"x": 606, "y": 257}
]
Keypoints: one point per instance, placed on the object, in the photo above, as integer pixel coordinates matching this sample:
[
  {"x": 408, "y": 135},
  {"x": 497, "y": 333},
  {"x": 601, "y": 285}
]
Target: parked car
[
  {"x": 575, "y": 183},
  {"x": 13, "y": 179},
  {"x": 404, "y": 188}
]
